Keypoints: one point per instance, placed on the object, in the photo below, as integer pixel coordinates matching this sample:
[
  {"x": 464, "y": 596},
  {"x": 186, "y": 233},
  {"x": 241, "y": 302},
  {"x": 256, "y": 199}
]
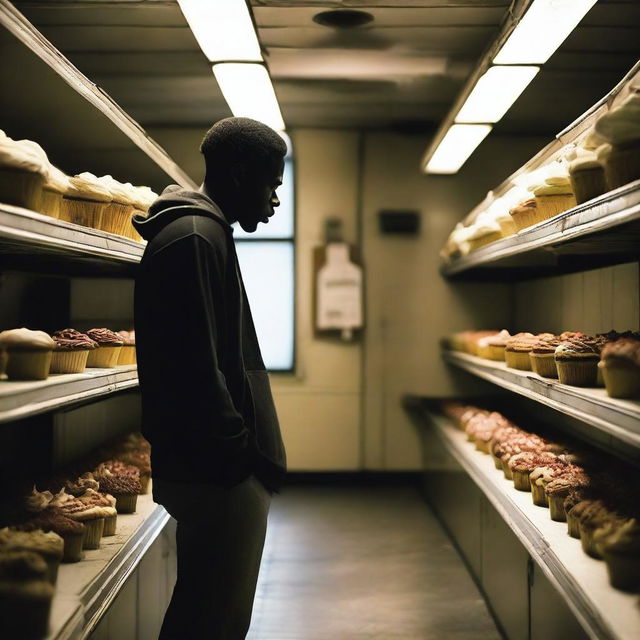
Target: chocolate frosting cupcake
[
  {"x": 118, "y": 485},
  {"x": 72, "y": 340},
  {"x": 546, "y": 343},
  {"x": 520, "y": 342},
  {"x": 105, "y": 337},
  {"x": 622, "y": 349},
  {"x": 579, "y": 347}
]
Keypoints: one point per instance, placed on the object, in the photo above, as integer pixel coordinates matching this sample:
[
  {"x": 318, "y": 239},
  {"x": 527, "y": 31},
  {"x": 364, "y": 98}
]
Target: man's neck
[{"x": 204, "y": 189}]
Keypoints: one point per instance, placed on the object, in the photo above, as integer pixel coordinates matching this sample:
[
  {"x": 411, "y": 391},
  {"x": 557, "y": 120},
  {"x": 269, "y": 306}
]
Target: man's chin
[{"x": 248, "y": 227}]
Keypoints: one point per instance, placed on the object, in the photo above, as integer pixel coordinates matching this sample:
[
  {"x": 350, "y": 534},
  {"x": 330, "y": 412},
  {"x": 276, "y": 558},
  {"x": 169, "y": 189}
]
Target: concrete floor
[{"x": 363, "y": 563}]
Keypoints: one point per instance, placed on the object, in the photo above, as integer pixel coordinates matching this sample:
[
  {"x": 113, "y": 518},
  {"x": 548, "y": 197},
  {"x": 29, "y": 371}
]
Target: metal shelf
[
  {"x": 618, "y": 418},
  {"x": 86, "y": 589},
  {"x": 22, "y": 399},
  {"x": 604, "y": 612},
  {"x": 39, "y": 239},
  {"x": 603, "y": 231}
]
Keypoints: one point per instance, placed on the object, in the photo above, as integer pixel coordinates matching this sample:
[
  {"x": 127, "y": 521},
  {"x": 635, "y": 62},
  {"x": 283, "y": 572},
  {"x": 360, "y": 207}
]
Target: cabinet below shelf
[
  {"x": 33, "y": 240},
  {"x": 604, "y": 612},
  {"x": 619, "y": 419},
  {"x": 20, "y": 399},
  {"x": 85, "y": 589}
]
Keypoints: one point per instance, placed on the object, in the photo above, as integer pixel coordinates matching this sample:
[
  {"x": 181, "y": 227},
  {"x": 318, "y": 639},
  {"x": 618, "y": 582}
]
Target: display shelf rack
[
  {"x": 35, "y": 238},
  {"x": 86, "y": 589},
  {"x": 23, "y": 399},
  {"x": 618, "y": 418},
  {"x": 604, "y": 612},
  {"x": 600, "y": 232}
]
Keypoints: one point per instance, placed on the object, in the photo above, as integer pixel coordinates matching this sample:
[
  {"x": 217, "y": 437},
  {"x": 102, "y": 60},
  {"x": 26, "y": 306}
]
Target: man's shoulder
[{"x": 192, "y": 227}]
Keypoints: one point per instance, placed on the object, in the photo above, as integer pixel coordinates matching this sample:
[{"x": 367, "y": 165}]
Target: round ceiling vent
[{"x": 343, "y": 18}]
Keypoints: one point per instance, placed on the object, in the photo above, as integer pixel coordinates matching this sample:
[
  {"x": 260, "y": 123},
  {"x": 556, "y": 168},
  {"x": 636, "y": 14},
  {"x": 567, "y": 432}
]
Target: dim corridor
[{"x": 346, "y": 562}]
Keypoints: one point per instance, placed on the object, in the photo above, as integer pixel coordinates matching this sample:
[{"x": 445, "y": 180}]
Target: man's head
[{"x": 244, "y": 163}]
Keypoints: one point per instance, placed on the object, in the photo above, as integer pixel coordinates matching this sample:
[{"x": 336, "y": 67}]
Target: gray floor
[{"x": 363, "y": 563}]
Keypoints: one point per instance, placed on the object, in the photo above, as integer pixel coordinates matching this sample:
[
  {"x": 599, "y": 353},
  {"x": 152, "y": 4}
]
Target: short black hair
[{"x": 240, "y": 141}]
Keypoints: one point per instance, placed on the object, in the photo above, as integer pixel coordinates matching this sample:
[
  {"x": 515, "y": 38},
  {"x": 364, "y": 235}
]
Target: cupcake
[
  {"x": 94, "y": 498},
  {"x": 620, "y": 367},
  {"x": 517, "y": 444},
  {"x": 500, "y": 436},
  {"x": 553, "y": 197},
  {"x": 525, "y": 214},
  {"x": 620, "y": 128},
  {"x": 558, "y": 489},
  {"x": 71, "y": 351},
  {"x": 143, "y": 198},
  {"x": 108, "y": 351},
  {"x": 587, "y": 176},
  {"x": 541, "y": 476},
  {"x": 123, "y": 487},
  {"x": 117, "y": 215},
  {"x": 482, "y": 233},
  {"x": 29, "y": 353},
  {"x": 523, "y": 464},
  {"x": 621, "y": 553},
  {"x": 25, "y": 596},
  {"x": 577, "y": 361},
  {"x": 48, "y": 545},
  {"x": 85, "y": 201},
  {"x": 574, "y": 497},
  {"x": 91, "y": 516},
  {"x": 517, "y": 349},
  {"x": 53, "y": 191},
  {"x": 23, "y": 171},
  {"x": 71, "y": 532},
  {"x": 542, "y": 355},
  {"x": 591, "y": 518},
  {"x": 139, "y": 459},
  {"x": 492, "y": 347},
  {"x": 128, "y": 352}
]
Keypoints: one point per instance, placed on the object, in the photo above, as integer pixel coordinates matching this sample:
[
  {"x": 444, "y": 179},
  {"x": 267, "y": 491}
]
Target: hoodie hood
[{"x": 176, "y": 202}]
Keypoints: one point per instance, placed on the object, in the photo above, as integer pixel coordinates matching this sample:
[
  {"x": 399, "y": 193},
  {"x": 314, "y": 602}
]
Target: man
[{"x": 217, "y": 454}]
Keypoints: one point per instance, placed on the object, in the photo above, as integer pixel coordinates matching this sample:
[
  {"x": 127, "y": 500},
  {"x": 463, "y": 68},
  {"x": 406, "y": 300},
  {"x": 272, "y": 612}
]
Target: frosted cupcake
[
  {"x": 71, "y": 532},
  {"x": 85, "y": 201},
  {"x": 128, "y": 352},
  {"x": 621, "y": 552},
  {"x": 517, "y": 349},
  {"x": 108, "y": 351},
  {"x": 48, "y": 545},
  {"x": 492, "y": 347},
  {"x": 92, "y": 497},
  {"x": 621, "y": 129},
  {"x": 91, "y": 516},
  {"x": 542, "y": 356},
  {"x": 525, "y": 214},
  {"x": 117, "y": 215},
  {"x": 620, "y": 367},
  {"x": 143, "y": 198},
  {"x": 23, "y": 171},
  {"x": 29, "y": 353},
  {"x": 53, "y": 191},
  {"x": 553, "y": 197},
  {"x": 71, "y": 351},
  {"x": 523, "y": 464},
  {"x": 124, "y": 487},
  {"x": 483, "y": 233},
  {"x": 587, "y": 176}
]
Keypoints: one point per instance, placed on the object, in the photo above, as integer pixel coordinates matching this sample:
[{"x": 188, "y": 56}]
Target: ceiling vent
[{"x": 343, "y": 18}]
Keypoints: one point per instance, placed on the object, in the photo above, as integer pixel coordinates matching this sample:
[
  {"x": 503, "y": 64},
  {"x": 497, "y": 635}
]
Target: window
[{"x": 267, "y": 261}]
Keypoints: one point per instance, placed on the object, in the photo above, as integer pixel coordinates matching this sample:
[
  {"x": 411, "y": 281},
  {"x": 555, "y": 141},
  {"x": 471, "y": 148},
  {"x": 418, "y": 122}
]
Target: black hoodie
[{"x": 207, "y": 408}]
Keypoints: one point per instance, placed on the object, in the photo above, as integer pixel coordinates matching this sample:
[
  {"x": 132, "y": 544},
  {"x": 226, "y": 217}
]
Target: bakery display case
[{"x": 61, "y": 419}]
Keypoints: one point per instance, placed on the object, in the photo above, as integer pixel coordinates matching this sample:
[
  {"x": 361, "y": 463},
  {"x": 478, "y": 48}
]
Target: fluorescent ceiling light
[
  {"x": 249, "y": 93},
  {"x": 495, "y": 92},
  {"x": 223, "y": 29},
  {"x": 544, "y": 27},
  {"x": 457, "y": 145}
]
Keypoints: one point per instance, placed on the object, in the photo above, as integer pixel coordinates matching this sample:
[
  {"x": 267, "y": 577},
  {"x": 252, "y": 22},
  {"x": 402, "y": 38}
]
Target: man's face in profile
[{"x": 257, "y": 194}]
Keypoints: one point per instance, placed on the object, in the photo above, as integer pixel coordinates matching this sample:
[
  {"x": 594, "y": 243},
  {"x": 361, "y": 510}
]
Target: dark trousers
[{"x": 219, "y": 538}]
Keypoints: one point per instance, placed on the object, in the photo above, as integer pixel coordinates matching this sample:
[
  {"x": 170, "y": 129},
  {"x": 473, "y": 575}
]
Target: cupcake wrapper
[
  {"x": 497, "y": 463},
  {"x": 573, "y": 526},
  {"x": 110, "y": 526},
  {"x": 104, "y": 357},
  {"x": 126, "y": 502},
  {"x": 508, "y": 474},
  {"x": 622, "y": 166},
  {"x": 588, "y": 184},
  {"x": 507, "y": 226},
  {"x": 496, "y": 353},
  {"x": 144, "y": 483},
  {"x": 477, "y": 243},
  {"x": 621, "y": 381},
  {"x": 544, "y": 365},
  {"x": 550, "y": 206},
  {"x": 579, "y": 373},
  {"x": 92, "y": 533},
  {"x": 623, "y": 570},
  {"x": 86, "y": 213},
  {"x": 527, "y": 218},
  {"x": 69, "y": 361},
  {"x": 73, "y": 548},
  {"x": 29, "y": 365},
  {"x": 50, "y": 203},
  {"x": 587, "y": 543},
  {"x": 116, "y": 218},
  {"x": 127, "y": 355},
  {"x": 21, "y": 188},
  {"x": 538, "y": 495},
  {"x": 482, "y": 445},
  {"x": 556, "y": 508},
  {"x": 518, "y": 360},
  {"x": 521, "y": 480}
]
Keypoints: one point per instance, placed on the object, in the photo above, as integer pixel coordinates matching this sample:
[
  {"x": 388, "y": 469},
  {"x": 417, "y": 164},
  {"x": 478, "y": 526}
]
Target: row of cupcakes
[
  {"x": 604, "y": 158},
  {"x": 72, "y": 513},
  {"x": 611, "y": 359},
  {"x": 29, "y": 180},
  {"x": 34, "y": 355},
  {"x": 594, "y": 495}
]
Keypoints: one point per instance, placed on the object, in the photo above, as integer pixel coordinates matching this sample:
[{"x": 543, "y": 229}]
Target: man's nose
[{"x": 275, "y": 201}]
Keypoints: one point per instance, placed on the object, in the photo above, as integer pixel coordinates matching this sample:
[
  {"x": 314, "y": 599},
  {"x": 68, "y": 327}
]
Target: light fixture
[
  {"x": 223, "y": 29},
  {"x": 543, "y": 28},
  {"x": 494, "y": 93},
  {"x": 458, "y": 144},
  {"x": 249, "y": 93}
]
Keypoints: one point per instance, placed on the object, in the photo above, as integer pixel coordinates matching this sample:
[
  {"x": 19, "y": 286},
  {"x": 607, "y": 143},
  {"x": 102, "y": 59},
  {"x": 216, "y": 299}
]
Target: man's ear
[{"x": 237, "y": 174}]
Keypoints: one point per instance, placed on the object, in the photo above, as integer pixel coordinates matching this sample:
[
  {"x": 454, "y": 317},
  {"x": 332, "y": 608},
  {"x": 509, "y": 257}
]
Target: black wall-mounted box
[{"x": 405, "y": 223}]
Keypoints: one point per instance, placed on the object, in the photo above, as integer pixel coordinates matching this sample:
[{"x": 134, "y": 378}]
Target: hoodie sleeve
[{"x": 182, "y": 371}]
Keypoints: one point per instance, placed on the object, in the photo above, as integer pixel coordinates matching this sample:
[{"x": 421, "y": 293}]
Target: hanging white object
[{"x": 339, "y": 289}]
